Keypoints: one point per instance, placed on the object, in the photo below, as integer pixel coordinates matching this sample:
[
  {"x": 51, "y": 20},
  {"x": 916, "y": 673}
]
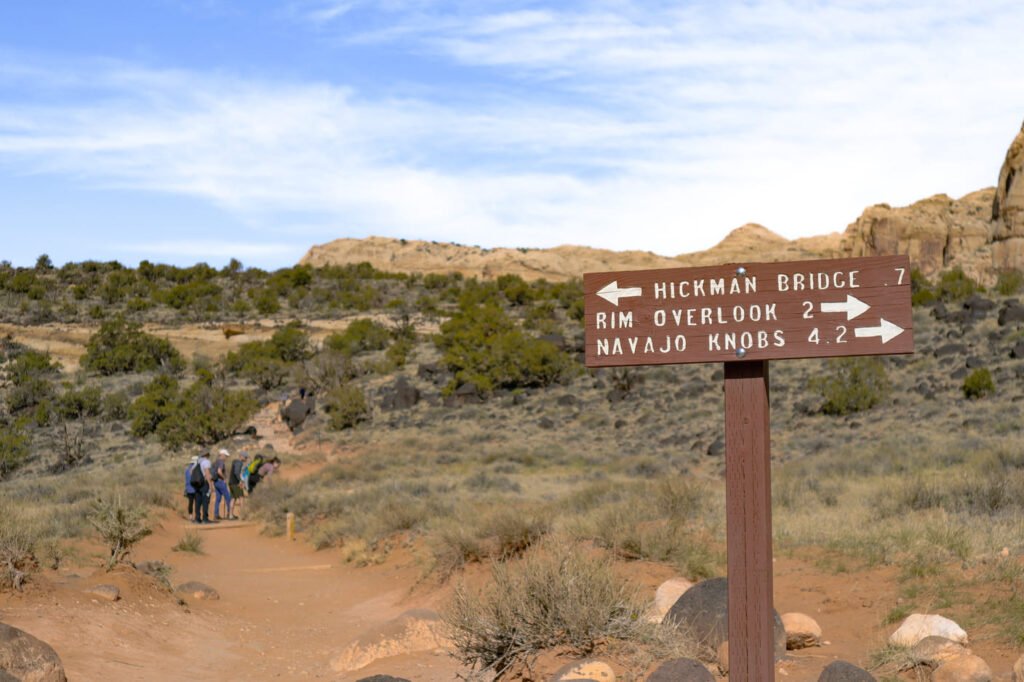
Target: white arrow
[
  {"x": 612, "y": 293},
  {"x": 852, "y": 307},
  {"x": 887, "y": 330}
]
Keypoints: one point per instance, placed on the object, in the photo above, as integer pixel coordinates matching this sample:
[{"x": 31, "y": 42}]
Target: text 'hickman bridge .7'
[{"x": 749, "y": 311}]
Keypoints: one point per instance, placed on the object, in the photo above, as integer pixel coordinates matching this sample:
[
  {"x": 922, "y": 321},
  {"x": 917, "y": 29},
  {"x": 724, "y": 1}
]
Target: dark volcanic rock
[
  {"x": 841, "y": 671},
  {"x": 400, "y": 396},
  {"x": 295, "y": 412},
  {"x": 950, "y": 349},
  {"x": 1017, "y": 351},
  {"x": 974, "y": 362},
  {"x": 1011, "y": 314},
  {"x": 23, "y": 657},
  {"x": 681, "y": 670},
  {"x": 717, "y": 448},
  {"x": 703, "y": 611}
]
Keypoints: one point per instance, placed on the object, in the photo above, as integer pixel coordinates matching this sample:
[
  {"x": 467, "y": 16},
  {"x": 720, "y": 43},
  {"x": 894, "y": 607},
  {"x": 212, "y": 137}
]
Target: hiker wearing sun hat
[
  {"x": 220, "y": 484},
  {"x": 190, "y": 492}
]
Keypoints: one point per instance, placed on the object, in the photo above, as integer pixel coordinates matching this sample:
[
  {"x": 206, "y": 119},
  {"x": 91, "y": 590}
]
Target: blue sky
[{"x": 183, "y": 131}]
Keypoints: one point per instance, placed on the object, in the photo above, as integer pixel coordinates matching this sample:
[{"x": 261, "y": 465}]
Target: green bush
[
  {"x": 483, "y": 346},
  {"x": 1009, "y": 282},
  {"x": 955, "y": 285},
  {"x": 86, "y": 401},
  {"x": 979, "y": 384},
  {"x": 120, "y": 346},
  {"x": 14, "y": 447},
  {"x": 921, "y": 290},
  {"x": 116, "y": 406},
  {"x": 361, "y": 335},
  {"x": 346, "y": 406},
  {"x": 204, "y": 413},
  {"x": 851, "y": 385}
]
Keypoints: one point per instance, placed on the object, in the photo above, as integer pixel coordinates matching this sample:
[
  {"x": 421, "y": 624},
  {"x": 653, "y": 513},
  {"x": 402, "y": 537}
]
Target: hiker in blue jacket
[{"x": 190, "y": 492}]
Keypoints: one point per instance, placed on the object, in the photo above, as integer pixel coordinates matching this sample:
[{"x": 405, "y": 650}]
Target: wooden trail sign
[
  {"x": 744, "y": 315},
  {"x": 755, "y": 311}
]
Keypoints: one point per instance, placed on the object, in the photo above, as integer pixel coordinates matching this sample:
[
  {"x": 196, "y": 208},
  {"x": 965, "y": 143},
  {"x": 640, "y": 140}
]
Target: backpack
[
  {"x": 195, "y": 477},
  {"x": 257, "y": 462}
]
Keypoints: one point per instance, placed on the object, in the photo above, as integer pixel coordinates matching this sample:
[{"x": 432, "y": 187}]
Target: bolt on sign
[{"x": 744, "y": 315}]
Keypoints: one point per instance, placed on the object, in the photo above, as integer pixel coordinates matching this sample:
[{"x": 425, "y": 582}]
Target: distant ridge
[{"x": 982, "y": 233}]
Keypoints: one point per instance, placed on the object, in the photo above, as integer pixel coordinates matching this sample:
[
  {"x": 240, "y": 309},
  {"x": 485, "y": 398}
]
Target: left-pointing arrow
[
  {"x": 887, "y": 330},
  {"x": 612, "y": 293}
]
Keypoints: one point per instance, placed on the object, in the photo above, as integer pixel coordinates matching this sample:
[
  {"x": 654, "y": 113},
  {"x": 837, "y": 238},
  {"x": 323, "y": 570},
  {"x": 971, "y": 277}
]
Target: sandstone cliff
[{"x": 982, "y": 232}]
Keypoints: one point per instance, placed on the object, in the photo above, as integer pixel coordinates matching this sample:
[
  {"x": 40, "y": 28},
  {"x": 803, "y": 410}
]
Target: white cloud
[
  {"x": 613, "y": 124},
  {"x": 213, "y": 249}
]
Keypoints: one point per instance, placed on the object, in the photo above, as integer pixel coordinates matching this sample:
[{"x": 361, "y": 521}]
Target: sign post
[{"x": 744, "y": 315}]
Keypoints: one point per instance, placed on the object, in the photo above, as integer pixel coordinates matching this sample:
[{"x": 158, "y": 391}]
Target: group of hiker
[{"x": 229, "y": 481}]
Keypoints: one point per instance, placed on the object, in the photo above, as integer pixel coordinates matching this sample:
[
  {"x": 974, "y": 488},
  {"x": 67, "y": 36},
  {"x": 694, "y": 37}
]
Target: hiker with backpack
[
  {"x": 202, "y": 482},
  {"x": 254, "y": 471},
  {"x": 190, "y": 492},
  {"x": 237, "y": 482}
]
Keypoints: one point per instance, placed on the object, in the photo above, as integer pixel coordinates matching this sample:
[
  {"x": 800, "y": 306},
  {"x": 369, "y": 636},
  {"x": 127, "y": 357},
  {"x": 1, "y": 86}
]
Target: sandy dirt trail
[{"x": 285, "y": 611}]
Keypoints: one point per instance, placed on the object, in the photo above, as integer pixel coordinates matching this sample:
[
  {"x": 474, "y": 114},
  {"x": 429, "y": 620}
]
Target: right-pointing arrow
[
  {"x": 887, "y": 330},
  {"x": 852, "y": 306}
]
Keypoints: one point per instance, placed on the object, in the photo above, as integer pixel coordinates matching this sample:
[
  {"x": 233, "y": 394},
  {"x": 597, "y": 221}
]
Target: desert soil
[{"x": 287, "y": 611}]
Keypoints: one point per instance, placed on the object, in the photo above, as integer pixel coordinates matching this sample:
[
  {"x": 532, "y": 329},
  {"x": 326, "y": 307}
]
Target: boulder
[
  {"x": 667, "y": 594},
  {"x": 295, "y": 412},
  {"x": 917, "y": 626},
  {"x": 703, "y": 614},
  {"x": 597, "y": 671},
  {"x": 802, "y": 631},
  {"x": 974, "y": 362},
  {"x": 965, "y": 668},
  {"x": 978, "y": 306},
  {"x": 466, "y": 394},
  {"x": 197, "y": 590},
  {"x": 401, "y": 395},
  {"x": 950, "y": 349},
  {"x": 1011, "y": 314},
  {"x": 681, "y": 670},
  {"x": 717, "y": 448},
  {"x": 1008, "y": 208},
  {"x": 106, "y": 592},
  {"x": 934, "y": 651},
  {"x": 841, "y": 671},
  {"x": 1017, "y": 352},
  {"x": 25, "y": 658},
  {"x": 412, "y": 631}
]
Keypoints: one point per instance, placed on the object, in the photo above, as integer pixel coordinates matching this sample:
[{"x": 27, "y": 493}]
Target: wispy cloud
[{"x": 627, "y": 125}]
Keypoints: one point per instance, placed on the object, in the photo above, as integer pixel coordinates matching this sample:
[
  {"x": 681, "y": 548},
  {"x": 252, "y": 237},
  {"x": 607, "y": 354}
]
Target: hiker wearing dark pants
[{"x": 203, "y": 490}]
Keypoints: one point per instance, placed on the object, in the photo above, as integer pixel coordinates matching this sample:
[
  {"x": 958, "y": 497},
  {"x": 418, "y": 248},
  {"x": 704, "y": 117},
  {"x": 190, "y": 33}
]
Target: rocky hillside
[{"x": 982, "y": 232}]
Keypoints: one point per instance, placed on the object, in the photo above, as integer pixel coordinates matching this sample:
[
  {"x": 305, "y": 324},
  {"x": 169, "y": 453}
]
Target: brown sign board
[{"x": 749, "y": 311}]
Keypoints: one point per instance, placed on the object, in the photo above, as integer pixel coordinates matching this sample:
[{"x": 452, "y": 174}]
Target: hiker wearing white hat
[{"x": 220, "y": 484}]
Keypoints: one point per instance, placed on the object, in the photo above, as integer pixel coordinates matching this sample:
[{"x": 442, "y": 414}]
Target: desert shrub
[
  {"x": 18, "y": 541},
  {"x": 120, "y": 346},
  {"x": 346, "y": 406},
  {"x": 29, "y": 373},
  {"x": 1009, "y": 282},
  {"x": 196, "y": 295},
  {"x": 73, "y": 403},
  {"x": 191, "y": 542},
  {"x": 14, "y": 447},
  {"x": 483, "y": 346},
  {"x": 977, "y": 493},
  {"x": 116, "y": 406},
  {"x": 515, "y": 289},
  {"x": 921, "y": 290},
  {"x": 265, "y": 301},
  {"x": 328, "y": 370},
  {"x": 121, "y": 525},
  {"x": 979, "y": 384},
  {"x": 361, "y": 335},
  {"x": 954, "y": 285},
  {"x": 204, "y": 413},
  {"x": 557, "y": 596},
  {"x": 257, "y": 361},
  {"x": 851, "y": 385},
  {"x": 291, "y": 343}
]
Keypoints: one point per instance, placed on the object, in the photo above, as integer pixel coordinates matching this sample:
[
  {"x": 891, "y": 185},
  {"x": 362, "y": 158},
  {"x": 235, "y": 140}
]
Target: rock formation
[{"x": 982, "y": 233}]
